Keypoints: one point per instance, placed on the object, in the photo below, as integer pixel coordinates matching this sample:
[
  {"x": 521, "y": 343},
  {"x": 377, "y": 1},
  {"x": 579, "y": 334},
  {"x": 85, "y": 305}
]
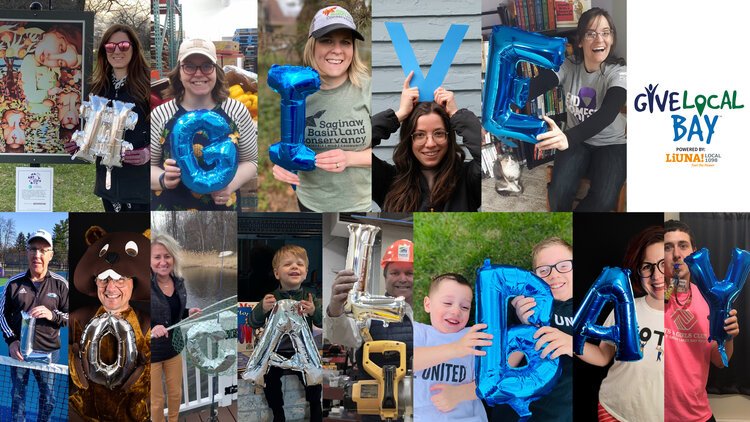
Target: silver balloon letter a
[{"x": 285, "y": 320}]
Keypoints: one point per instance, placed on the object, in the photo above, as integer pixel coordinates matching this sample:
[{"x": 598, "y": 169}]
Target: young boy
[
  {"x": 444, "y": 354},
  {"x": 290, "y": 269}
]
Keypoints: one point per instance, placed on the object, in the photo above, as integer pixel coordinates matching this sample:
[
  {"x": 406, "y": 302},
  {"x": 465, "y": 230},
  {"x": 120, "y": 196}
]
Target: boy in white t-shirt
[{"x": 444, "y": 351}]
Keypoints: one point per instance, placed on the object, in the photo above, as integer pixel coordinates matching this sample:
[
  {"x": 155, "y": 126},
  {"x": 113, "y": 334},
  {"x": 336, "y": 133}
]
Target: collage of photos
[{"x": 368, "y": 210}]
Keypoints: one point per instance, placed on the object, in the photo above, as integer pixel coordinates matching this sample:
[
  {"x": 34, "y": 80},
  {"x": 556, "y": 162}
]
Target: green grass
[
  {"x": 73, "y": 188},
  {"x": 459, "y": 243},
  {"x": 269, "y": 128}
]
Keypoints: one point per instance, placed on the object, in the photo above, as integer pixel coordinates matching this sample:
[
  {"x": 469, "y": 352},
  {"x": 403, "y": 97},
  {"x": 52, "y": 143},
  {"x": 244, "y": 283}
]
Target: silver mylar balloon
[
  {"x": 198, "y": 337},
  {"x": 115, "y": 374},
  {"x": 508, "y": 176},
  {"x": 93, "y": 111},
  {"x": 285, "y": 319},
  {"x": 362, "y": 303},
  {"x": 121, "y": 118}
]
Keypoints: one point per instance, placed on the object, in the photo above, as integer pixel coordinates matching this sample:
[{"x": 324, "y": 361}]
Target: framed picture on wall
[{"x": 44, "y": 69}]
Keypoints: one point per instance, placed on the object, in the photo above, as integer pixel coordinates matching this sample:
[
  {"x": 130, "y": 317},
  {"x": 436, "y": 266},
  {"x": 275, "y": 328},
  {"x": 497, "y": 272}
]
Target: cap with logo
[
  {"x": 401, "y": 250},
  {"x": 197, "y": 46},
  {"x": 330, "y": 19},
  {"x": 41, "y": 234}
]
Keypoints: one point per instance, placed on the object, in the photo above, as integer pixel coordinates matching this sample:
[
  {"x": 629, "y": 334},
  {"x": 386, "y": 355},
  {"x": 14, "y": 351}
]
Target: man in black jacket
[{"x": 43, "y": 296}]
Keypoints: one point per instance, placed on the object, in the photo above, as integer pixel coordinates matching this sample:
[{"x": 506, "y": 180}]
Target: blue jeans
[
  {"x": 45, "y": 380},
  {"x": 606, "y": 167}
]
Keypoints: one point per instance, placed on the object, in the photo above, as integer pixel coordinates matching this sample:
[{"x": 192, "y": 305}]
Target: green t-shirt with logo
[{"x": 338, "y": 118}]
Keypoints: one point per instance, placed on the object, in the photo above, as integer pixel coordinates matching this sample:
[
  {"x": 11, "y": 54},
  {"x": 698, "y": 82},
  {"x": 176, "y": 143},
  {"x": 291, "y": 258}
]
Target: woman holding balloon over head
[
  {"x": 337, "y": 119},
  {"x": 197, "y": 85},
  {"x": 430, "y": 173},
  {"x": 121, "y": 74},
  {"x": 594, "y": 82}
]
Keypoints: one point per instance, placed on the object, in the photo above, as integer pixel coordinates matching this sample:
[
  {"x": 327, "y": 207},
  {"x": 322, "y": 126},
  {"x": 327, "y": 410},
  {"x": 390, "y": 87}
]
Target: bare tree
[{"x": 134, "y": 13}]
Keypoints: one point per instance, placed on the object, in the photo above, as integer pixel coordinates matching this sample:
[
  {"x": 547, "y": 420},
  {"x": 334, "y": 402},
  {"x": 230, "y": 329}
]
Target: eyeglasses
[
  {"x": 119, "y": 283},
  {"x": 646, "y": 269},
  {"x": 562, "y": 267},
  {"x": 206, "y": 68},
  {"x": 122, "y": 45},
  {"x": 438, "y": 136},
  {"x": 32, "y": 250},
  {"x": 591, "y": 35}
]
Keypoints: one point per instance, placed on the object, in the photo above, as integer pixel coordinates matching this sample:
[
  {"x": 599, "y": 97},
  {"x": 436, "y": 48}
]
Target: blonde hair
[
  {"x": 174, "y": 249},
  {"x": 546, "y": 243},
  {"x": 357, "y": 69},
  {"x": 294, "y": 250}
]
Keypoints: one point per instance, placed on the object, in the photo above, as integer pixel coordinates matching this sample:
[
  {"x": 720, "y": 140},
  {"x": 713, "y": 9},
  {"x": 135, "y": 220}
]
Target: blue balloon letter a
[
  {"x": 497, "y": 382},
  {"x": 719, "y": 294},
  {"x": 503, "y": 86},
  {"x": 441, "y": 64},
  {"x": 613, "y": 285}
]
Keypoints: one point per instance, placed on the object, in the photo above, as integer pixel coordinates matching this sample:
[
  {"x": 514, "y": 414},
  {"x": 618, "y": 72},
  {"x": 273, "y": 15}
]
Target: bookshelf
[{"x": 537, "y": 16}]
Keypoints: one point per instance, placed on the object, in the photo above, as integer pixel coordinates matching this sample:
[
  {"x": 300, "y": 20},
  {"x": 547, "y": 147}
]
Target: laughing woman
[
  {"x": 594, "y": 81},
  {"x": 197, "y": 83},
  {"x": 341, "y": 181}
]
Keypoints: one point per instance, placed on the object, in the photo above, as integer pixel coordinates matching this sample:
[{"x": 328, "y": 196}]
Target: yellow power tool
[{"x": 380, "y": 396}]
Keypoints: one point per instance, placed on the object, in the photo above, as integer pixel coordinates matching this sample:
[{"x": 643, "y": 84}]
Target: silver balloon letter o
[{"x": 115, "y": 374}]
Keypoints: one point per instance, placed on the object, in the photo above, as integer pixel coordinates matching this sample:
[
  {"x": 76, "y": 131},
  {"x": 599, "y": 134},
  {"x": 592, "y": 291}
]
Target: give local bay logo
[{"x": 694, "y": 121}]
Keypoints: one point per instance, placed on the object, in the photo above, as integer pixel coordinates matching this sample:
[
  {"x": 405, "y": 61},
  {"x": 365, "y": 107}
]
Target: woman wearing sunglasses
[
  {"x": 121, "y": 74},
  {"x": 197, "y": 83},
  {"x": 429, "y": 172}
]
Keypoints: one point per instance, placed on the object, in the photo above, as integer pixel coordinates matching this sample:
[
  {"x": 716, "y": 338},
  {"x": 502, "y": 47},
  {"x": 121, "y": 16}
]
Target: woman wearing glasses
[
  {"x": 121, "y": 74},
  {"x": 197, "y": 83},
  {"x": 429, "y": 172},
  {"x": 552, "y": 260},
  {"x": 635, "y": 390},
  {"x": 594, "y": 83}
]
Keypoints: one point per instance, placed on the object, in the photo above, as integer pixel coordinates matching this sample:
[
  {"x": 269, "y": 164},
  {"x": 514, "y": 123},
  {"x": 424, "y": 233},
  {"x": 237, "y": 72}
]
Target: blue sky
[{"x": 29, "y": 222}]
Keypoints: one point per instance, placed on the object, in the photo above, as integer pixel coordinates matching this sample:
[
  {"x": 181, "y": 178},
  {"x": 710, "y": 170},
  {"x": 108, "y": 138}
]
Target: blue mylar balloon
[
  {"x": 719, "y": 294},
  {"x": 612, "y": 285},
  {"x": 497, "y": 382},
  {"x": 294, "y": 84},
  {"x": 503, "y": 86},
  {"x": 220, "y": 156}
]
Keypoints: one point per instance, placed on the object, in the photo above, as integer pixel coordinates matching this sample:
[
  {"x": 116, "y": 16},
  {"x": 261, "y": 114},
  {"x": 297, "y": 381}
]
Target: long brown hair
[
  {"x": 176, "y": 89},
  {"x": 637, "y": 249},
  {"x": 404, "y": 194},
  {"x": 137, "y": 84}
]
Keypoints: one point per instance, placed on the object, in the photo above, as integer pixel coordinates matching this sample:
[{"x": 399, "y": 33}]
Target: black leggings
[{"x": 275, "y": 397}]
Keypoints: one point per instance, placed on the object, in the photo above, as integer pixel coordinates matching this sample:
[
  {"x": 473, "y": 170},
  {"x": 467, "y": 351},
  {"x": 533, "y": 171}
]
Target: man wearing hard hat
[{"x": 398, "y": 270}]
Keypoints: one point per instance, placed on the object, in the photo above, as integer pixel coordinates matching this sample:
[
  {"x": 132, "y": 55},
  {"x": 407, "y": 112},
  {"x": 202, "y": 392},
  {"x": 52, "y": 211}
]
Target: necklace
[
  {"x": 687, "y": 301},
  {"x": 118, "y": 82}
]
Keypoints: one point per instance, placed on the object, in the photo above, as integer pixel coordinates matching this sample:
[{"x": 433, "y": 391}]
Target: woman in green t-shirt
[{"x": 337, "y": 119}]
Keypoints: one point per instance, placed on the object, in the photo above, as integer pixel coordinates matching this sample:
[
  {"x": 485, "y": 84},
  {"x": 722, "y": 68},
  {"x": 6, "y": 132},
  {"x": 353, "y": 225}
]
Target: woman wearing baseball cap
[
  {"x": 197, "y": 83},
  {"x": 338, "y": 119}
]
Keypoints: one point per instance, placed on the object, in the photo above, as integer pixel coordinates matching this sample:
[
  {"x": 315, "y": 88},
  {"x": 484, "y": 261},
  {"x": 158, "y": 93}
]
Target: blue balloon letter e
[{"x": 503, "y": 86}]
